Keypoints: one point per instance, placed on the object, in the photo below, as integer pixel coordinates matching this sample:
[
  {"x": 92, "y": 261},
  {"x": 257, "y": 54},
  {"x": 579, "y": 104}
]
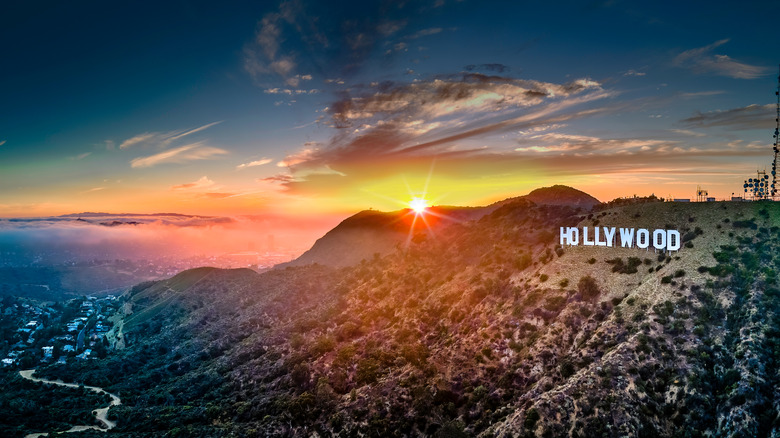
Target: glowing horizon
[{"x": 263, "y": 117}]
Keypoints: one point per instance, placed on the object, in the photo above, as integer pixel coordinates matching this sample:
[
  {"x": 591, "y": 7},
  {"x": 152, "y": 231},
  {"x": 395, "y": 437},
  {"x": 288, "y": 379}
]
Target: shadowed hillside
[{"x": 483, "y": 327}]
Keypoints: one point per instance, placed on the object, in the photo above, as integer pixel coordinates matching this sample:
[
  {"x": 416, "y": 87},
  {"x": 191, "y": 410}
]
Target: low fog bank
[{"x": 89, "y": 236}]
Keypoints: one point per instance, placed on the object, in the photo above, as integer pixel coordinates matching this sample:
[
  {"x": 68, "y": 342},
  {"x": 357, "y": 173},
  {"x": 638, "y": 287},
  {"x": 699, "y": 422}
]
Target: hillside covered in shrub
[{"x": 478, "y": 327}]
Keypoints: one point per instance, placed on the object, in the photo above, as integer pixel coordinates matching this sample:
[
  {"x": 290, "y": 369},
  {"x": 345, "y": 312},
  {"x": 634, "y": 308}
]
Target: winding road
[{"x": 100, "y": 414}]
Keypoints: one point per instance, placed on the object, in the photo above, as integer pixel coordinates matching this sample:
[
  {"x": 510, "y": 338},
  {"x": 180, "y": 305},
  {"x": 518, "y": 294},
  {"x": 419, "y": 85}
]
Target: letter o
[
  {"x": 642, "y": 238},
  {"x": 662, "y": 235}
]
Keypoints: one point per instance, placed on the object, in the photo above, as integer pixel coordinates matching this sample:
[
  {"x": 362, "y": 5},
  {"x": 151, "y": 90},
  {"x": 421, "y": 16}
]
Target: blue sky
[{"x": 301, "y": 107}]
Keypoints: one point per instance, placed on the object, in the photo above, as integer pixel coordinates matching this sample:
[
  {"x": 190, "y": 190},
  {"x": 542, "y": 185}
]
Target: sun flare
[{"x": 418, "y": 205}]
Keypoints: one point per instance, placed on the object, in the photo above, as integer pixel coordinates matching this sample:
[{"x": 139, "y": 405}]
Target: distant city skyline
[{"x": 291, "y": 109}]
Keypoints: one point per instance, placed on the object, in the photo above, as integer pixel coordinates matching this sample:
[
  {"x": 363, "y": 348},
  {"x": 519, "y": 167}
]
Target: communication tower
[
  {"x": 777, "y": 139},
  {"x": 701, "y": 194},
  {"x": 758, "y": 187},
  {"x": 762, "y": 187}
]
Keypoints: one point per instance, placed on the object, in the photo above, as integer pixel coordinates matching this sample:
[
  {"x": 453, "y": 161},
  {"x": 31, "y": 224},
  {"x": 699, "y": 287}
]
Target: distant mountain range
[{"x": 477, "y": 326}]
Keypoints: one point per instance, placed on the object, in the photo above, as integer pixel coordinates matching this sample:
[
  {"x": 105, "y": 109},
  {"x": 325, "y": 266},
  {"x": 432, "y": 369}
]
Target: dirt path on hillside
[{"x": 100, "y": 414}]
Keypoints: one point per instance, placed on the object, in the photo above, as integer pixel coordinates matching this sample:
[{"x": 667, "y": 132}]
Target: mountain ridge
[
  {"x": 486, "y": 328},
  {"x": 370, "y": 232}
]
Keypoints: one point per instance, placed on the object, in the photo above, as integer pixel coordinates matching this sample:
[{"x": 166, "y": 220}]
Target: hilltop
[
  {"x": 562, "y": 195},
  {"x": 371, "y": 232},
  {"x": 480, "y": 327}
]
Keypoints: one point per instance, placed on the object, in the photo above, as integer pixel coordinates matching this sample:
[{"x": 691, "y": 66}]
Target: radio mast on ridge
[
  {"x": 777, "y": 139},
  {"x": 760, "y": 187}
]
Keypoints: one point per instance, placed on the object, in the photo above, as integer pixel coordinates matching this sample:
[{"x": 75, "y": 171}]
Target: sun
[{"x": 418, "y": 205}]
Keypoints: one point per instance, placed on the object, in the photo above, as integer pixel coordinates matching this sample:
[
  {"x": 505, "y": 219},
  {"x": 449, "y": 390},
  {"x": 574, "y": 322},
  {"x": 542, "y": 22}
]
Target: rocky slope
[{"x": 485, "y": 327}]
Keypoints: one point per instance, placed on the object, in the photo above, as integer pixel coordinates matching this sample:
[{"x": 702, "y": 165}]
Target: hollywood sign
[{"x": 666, "y": 240}]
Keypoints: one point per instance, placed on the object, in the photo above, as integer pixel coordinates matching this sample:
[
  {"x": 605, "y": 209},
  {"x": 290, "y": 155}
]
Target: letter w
[{"x": 627, "y": 237}]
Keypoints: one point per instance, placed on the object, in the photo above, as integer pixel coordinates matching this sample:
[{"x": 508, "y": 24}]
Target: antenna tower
[
  {"x": 777, "y": 140},
  {"x": 701, "y": 194},
  {"x": 758, "y": 187}
]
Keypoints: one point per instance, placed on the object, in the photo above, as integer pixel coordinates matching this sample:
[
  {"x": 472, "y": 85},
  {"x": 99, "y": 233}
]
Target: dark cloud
[
  {"x": 498, "y": 68},
  {"x": 281, "y": 178},
  {"x": 469, "y": 93},
  {"x": 749, "y": 117},
  {"x": 324, "y": 41}
]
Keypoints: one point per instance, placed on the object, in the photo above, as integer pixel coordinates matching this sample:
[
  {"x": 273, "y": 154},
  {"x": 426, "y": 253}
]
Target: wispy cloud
[
  {"x": 201, "y": 183},
  {"x": 295, "y": 40},
  {"x": 280, "y": 178},
  {"x": 425, "y": 32},
  {"x": 254, "y": 163},
  {"x": 263, "y": 56},
  {"x": 138, "y": 139},
  {"x": 689, "y": 132},
  {"x": 554, "y": 142},
  {"x": 205, "y": 188},
  {"x": 401, "y": 124},
  {"x": 219, "y": 195},
  {"x": 162, "y": 139},
  {"x": 634, "y": 73},
  {"x": 2, "y": 142},
  {"x": 702, "y": 60},
  {"x": 190, "y": 152},
  {"x": 96, "y": 189},
  {"x": 470, "y": 93},
  {"x": 192, "y": 131},
  {"x": 289, "y": 92},
  {"x": 749, "y": 117},
  {"x": 701, "y": 94}
]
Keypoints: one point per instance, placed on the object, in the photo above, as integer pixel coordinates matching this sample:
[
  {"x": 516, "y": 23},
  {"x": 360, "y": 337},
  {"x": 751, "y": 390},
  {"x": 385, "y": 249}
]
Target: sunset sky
[{"x": 305, "y": 108}]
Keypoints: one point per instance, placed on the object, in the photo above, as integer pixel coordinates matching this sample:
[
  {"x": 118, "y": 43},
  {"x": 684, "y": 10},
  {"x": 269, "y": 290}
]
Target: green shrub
[
  {"x": 531, "y": 417},
  {"x": 749, "y": 223},
  {"x": 367, "y": 371},
  {"x": 567, "y": 369},
  {"x": 588, "y": 288},
  {"x": 555, "y": 304}
]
